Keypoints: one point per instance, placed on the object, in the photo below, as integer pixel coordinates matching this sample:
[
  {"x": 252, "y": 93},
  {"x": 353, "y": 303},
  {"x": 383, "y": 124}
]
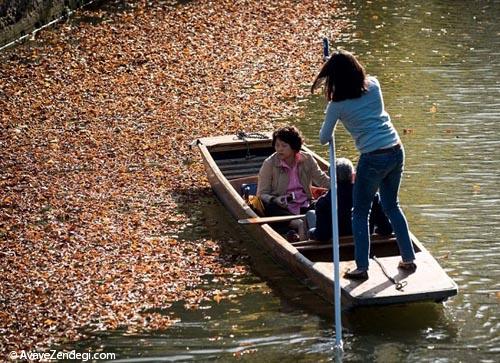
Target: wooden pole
[{"x": 262, "y": 220}]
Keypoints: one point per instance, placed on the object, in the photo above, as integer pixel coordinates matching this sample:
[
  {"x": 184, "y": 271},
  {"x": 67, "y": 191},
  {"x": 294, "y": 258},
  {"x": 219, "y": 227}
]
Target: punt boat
[{"x": 233, "y": 160}]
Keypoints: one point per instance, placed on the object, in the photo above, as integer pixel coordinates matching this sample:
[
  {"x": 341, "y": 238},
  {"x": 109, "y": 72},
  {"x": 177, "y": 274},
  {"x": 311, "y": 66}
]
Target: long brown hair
[{"x": 344, "y": 77}]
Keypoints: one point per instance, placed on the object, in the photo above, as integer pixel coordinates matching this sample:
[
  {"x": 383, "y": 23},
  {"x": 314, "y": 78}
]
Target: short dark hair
[
  {"x": 291, "y": 135},
  {"x": 344, "y": 77}
]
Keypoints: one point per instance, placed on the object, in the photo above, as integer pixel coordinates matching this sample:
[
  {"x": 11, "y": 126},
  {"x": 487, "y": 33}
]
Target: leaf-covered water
[{"x": 437, "y": 64}]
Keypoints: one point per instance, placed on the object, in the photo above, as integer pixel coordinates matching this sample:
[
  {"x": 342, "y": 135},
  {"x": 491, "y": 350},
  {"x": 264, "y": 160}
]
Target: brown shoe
[
  {"x": 292, "y": 236},
  {"x": 356, "y": 275},
  {"x": 407, "y": 266}
]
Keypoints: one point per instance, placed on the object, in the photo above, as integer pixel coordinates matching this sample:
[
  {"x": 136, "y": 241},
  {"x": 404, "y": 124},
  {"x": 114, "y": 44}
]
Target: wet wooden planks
[{"x": 428, "y": 282}]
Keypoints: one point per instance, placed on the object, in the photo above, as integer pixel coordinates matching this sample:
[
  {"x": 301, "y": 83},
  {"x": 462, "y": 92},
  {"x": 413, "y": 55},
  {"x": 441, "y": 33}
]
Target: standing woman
[{"x": 356, "y": 100}]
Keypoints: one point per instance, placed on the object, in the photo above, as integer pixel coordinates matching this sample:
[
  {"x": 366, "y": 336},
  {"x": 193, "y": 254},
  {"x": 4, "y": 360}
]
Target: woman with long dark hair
[{"x": 355, "y": 99}]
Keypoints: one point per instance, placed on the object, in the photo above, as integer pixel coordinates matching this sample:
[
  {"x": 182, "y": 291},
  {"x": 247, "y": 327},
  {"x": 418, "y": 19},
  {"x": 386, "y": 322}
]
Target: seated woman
[{"x": 286, "y": 177}]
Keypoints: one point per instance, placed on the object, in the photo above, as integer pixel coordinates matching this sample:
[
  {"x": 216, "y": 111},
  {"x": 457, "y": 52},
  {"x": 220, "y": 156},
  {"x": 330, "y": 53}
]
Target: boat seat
[{"x": 343, "y": 241}]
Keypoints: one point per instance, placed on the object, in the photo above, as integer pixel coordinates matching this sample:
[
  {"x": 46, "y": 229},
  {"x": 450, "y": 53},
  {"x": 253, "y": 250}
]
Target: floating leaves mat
[{"x": 96, "y": 115}]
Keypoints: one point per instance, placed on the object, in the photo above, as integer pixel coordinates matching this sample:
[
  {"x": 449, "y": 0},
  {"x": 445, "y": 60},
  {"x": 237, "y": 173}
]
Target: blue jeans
[{"x": 379, "y": 172}]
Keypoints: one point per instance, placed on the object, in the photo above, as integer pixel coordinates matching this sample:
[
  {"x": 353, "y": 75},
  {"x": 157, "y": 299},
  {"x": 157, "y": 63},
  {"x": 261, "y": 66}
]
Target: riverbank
[
  {"x": 21, "y": 17},
  {"x": 97, "y": 116}
]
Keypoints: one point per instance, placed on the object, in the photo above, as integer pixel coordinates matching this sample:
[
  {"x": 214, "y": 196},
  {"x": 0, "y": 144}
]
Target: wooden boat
[{"x": 231, "y": 161}]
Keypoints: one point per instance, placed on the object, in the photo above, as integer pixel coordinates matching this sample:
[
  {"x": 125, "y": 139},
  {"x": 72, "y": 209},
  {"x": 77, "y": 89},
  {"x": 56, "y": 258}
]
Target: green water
[{"x": 437, "y": 63}]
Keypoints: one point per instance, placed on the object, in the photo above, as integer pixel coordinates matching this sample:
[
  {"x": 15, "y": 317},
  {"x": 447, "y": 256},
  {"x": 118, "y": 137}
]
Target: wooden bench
[{"x": 344, "y": 241}]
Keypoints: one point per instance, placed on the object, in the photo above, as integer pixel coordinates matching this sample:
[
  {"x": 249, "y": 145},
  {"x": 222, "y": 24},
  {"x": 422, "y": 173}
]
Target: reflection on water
[{"x": 437, "y": 63}]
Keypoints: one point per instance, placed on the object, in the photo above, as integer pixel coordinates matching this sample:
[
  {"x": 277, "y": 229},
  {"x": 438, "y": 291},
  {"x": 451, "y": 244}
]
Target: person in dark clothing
[{"x": 320, "y": 219}]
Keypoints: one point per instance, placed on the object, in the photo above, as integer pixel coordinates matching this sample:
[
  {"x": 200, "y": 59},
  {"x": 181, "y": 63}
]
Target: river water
[{"x": 438, "y": 65}]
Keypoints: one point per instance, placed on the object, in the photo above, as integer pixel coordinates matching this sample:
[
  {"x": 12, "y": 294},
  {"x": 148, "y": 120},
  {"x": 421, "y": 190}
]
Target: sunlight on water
[{"x": 437, "y": 63}]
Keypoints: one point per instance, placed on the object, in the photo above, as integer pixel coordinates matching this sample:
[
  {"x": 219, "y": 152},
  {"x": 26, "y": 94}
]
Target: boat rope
[
  {"x": 399, "y": 284},
  {"x": 242, "y": 135}
]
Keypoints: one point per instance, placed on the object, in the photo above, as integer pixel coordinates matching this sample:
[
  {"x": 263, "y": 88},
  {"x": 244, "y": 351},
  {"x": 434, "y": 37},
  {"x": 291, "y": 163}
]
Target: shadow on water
[{"x": 213, "y": 220}]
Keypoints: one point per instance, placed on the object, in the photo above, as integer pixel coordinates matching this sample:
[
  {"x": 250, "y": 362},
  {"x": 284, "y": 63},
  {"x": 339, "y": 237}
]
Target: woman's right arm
[{"x": 331, "y": 118}]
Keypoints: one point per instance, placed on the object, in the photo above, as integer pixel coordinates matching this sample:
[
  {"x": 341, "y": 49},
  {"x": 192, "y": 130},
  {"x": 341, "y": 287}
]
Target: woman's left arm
[
  {"x": 319, "y": 177},
  {"x": 331, "y": 118}
]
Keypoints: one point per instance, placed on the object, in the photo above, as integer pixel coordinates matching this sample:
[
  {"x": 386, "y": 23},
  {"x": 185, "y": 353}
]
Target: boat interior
[{"x": 241, "y": 166}]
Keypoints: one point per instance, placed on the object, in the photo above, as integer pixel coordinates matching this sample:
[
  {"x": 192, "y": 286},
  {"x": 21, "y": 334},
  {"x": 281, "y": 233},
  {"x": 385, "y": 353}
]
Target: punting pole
[
  {"x": 336, "y": 260},
  {"x": 335, "y": 229},
  {"x": 326, "y": 50}
]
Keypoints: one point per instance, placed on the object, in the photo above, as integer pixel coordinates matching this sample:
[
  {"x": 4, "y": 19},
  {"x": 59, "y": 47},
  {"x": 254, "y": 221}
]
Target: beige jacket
[{"x": 273, "y": 179}]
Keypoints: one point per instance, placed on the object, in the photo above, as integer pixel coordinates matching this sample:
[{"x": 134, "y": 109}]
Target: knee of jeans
[
  {"x": 311, "y": 218},
  {"x": 360, "y": 212},
  {"x": 392, "y": 210}
]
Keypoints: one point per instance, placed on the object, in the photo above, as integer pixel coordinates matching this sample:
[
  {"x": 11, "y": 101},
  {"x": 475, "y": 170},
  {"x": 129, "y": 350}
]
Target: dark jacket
[{"x": 323, "y": 231}]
